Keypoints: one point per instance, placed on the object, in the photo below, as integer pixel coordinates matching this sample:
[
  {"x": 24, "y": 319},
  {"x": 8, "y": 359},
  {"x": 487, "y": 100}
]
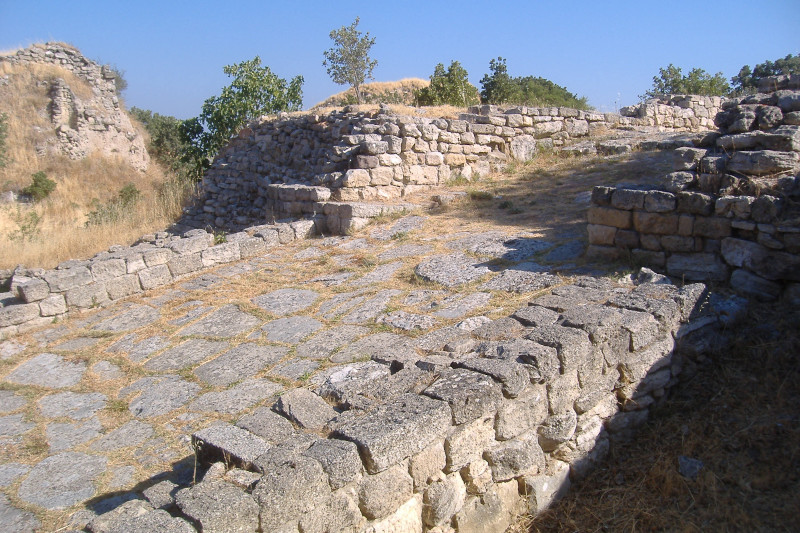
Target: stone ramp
[{"x": 362, "y": 402}]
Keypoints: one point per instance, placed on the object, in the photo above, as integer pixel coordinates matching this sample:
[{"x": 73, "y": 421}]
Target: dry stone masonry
[
  {"x": 729, "y": 212},
  {"x": 83, "y": 126},
  {"x": 312, "y": 163}
]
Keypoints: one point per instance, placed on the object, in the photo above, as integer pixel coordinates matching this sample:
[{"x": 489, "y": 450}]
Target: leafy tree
[
  {"x": 348, "y": 61},
  {"x": 501, "y": 88},
  {"x": 40, "y": 188},
  {"x": 121, "y": 83},
  {"x": 3, "y": 137},
  {"x": 254, "y": 91},
  {"x": 747, "y": 80},
  {"x": 449, "y": 87},
  {"x": 166, "y": 145},
  {"x": 672, "y": 81}
]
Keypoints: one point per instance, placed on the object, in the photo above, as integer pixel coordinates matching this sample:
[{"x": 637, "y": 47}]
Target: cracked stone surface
[
  {"x": 226, "y": 322},
  {"x": 286, "y": 301}
]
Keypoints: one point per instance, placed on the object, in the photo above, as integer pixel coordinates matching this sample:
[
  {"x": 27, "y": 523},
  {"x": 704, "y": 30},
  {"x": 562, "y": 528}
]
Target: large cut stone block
[
  {"x": 396, "y": 430},
  {"x": 469, "y": 394}
]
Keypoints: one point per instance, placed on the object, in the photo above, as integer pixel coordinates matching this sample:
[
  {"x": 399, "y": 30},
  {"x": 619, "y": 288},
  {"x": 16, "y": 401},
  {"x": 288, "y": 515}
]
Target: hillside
[
  {"x": 384, "y": 92},
  {"x": 66, "y": 120}
]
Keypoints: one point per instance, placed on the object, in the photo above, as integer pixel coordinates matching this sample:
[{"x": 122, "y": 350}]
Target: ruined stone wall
[
  {"x": 381, "y": 156},
  {"x": 483, "y": 423},
  {"x": 677, "y": 111},
  {"x": 98, "y": 124},
  {"x": 730, "y": 212}
]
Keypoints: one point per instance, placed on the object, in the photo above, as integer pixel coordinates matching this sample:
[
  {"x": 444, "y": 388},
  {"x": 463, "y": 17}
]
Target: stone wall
[
  {"x": 729, "y": 213},
  {"x": 380, "y": 156},
  {"x": 37, "y": 296},
  {"x": 82, "y": 126},
  {"x": 484, "y": 421},
  {"x": 677, "y": 111}
]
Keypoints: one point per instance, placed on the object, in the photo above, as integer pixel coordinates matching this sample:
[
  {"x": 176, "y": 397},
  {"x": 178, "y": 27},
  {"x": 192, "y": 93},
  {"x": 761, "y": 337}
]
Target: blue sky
[{"x": 172, "y": 52}]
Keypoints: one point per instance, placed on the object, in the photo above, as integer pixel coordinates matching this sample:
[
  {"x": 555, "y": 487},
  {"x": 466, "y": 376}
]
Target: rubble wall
[{"x": 731, "y": 210}]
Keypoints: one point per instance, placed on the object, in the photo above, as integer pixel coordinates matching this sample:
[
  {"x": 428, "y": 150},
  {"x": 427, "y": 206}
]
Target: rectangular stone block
[
  {"x": 134, "y": 263},
  {"x": 62, "y": 280},
  {"x": 221, "y": 253},
  {"x": 108, "y": 269},
  {"x": 252, "y": 247},
  {"x": 657, "y": 223},
  {"x": 17, "y": 314},
  {"x": 626, "y": 239},
  {"x": 157, "y": 256},
  {"x": 603, "y": 235},
  {"x": 192, "y": 245},
  {"x": 33, "y": 290},
  {"x": 53, "y": 305},
  {"x": 628, "y": 199},
  {"x": 182, "y": 264},
  {"x": 158, "y": 275},
  {"x": 695, "y": 203},
  {"x": 712, "y": 227},
  {"x": 649, "y": 257},
  {"x": 608, "y": 216},
  {"x": 396, "y": 430},
  {"x": 659, "y": 202},
  {"x": 87, "y": 296},
  {"x": 123, "y": 286},
  {"x": 697, "y": 267}
]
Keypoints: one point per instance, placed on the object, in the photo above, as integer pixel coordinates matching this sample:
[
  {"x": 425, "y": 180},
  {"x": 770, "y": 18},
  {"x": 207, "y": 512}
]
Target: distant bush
[
  {"x": 40, "y": 188},
  {"x": 450, "y": 87},
  {"x": 672, "y": 81},
  {"x": 500, "y": 88},
  {"x": 116, "y": 209},
  {"x": 747, "y": 80},
  {"x": 3, "y": 137},
  {"x": 166, "y": 144}
]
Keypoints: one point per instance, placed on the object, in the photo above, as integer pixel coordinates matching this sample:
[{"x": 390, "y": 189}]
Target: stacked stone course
[
  {"x": 379, "y": 156},
  {"x": 84, "y": 126},
  {"x": 678, "y": 111},
  {"x": 730, "y": 211},
  {"x": 460, "y": 436}
]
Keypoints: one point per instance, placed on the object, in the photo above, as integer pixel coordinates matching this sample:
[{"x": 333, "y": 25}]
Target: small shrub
[
  {"x": 27, "y": 226},
  {"x": 480, "y": 196},
  {"x": 116, "y": 209},
  {"x": 40, "y": 188},
  {"x": 3, "y": 137},
  {"x": 507, "y": 204}
]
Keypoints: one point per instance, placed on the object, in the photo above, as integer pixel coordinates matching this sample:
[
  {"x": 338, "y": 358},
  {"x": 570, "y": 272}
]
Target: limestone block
[
  {"x": 63, "y": 280},
  {"x": 381, "y": 494},
  {"x": 219, "y": 507},
  {"x": 467, "y": 443},
  {"x": 156, "y": 276},
  {"x": 123, "y": 286},
  {"x": 192, "y": 245},
  {"x": 712, "y": 227},
  {"x": 339, "y": 460},
  {"x": 179, "y": 265},
  {"x": 90, "y": 295},
  {"x": 608, "y": 216},
  {"x": 14, "y": 315},
  {"x": 628, "y": 199},
  {"x": 697, "y": 267},
  {"x": 229, "y": 443},
  {"x": 556, "y": 430},
  {"x": 356, "y": 178},
  {"x": 493, "y": 511},
  {"x": 526, "y": 411},
  {"x": 53, "y": 305},
  {"x": 442, "y": 499},
  {"x": 32, "y": 290},
  {"x": 339, "y": 513},
  {"x": 766, "y": 263},
  {"x": 659, "y": 202},
  {"x": 470, "y": 395},
  {"x": 511, "y": 375},
  {"x": 107, "y": 269},
  {"x": 375, "y": 147},
  {"x": 305, "y": 409},
  {"x": 764, "y": 162},
  {"x": 221, "y": 253},
  {"x": 686, "y": 158},
  {"x": 546, "y": 488},
  {"x": 572, "y": 345},
  {"x": 157, "y": 256},
  {"x": 695, "y": 203},
  {"x": 678, "y": 181},
  {"x": 429, "y": 462},
  {"x": 252, "y": 247},
  {"x": 656, "y": 223},
  {"x": 382, "y": 176},
  {"x": 515, "y": 457}
]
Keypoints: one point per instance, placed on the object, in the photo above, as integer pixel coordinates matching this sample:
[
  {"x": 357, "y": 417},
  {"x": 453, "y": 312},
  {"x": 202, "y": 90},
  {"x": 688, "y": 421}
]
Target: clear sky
[{"x": 172, "y": 52}]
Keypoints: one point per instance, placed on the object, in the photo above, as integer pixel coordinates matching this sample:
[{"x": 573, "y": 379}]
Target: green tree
[
  {"x": 450, "y": 87},
  {"x": 672, "y": 81},
  {"x": 254, "y": 91},
  {"x": 348, "y": 61},
  {"x": 747, "y": 80},
  {"x": 501, "y": 88},
  {"x": 166, "y": 144},
  {"x": 3, "y": 138}
]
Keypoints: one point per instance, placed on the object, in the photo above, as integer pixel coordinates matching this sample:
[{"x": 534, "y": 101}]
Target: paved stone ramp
[{"x": 339, "y": 384}]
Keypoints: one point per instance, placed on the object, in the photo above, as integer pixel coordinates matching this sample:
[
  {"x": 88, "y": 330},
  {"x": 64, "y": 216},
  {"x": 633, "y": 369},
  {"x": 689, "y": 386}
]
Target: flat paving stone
[
  {"x": 62, "y": 480},
  {"x": 49, "y": 335},
  {"x": 462, "y": 305},
  {"x": 121, "y": 477},
  {"x": 286, "y": 301},
  {"x": 9, "y": 349},
  {"x": 10, "y": 472},
  {"x": 10, "y": 401},
  {"x": 14, "y": 425},
  {"x": 47, "y": 370},
  {"x": 190, "y": 315},
  {"x": 147, "y": 347},
  {"x": 230, "y": 271},
  {"x": 405, "y": 250},
  {"x": 78, "y": 343},
  {"x": 424, "y": 296},
  {"x": 296, "y": 369},
  {"x": 228, "y": 321},
  {"x": 137, "y": 317},
  {"x": 132, "y": 433},
  {"x": 354, "y": 244},
  {"x": 500, "y": 246},
  {"x": 402, "y": 226},
  {"x": 379, "y": 274},
  {"x": 64, "y": 436},
  {"x": 236, "y": 399},
  {"x": 291, "y": 330},
  {"x": 159, "y": 395},
  {"x": 106, "y": 371},
  {"x": 341, "y": 303},
  {"x": 241, "y": 362},
  {"x": 333, "y": 279},
  {"x": 309, "y": 253},
  {"x": 204, "y": 281},
  {"x": 15, "y": 520},
  {"x": 519, "y": 281},
  {"x": 74, "y": 405},
  {"x": 368, "y": 311},
  {"x": 565, "y": 252},
  {"x": 380, "y": 344},
  {"x": 324, "y": 343},
  {"x": 189, "y": 353},
  {"x": 407, "y": 321},
  {"x": 451, "y": 270}
]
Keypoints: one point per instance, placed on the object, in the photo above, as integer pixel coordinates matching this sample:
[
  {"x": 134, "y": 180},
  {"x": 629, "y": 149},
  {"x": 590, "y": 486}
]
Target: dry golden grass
[
  {"x": 404, "y": 88},
  {"x": 80, "y": 185}
]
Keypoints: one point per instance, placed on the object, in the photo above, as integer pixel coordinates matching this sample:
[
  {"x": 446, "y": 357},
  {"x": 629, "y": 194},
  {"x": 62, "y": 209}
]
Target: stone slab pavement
[{"x": 99, "y": 407}]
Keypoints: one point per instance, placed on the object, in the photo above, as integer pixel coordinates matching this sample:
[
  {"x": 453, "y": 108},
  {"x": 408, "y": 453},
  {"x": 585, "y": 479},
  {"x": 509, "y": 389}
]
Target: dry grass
[
  {"x": 80, "y": 185},
  {"x": 739, "y": 415},
  {"x": 403, "y": 88}
]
